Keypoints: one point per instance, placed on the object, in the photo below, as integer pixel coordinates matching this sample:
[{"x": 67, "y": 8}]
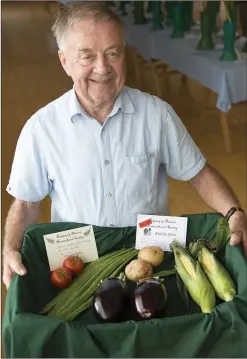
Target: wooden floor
[{"x": 32, "y": 77}]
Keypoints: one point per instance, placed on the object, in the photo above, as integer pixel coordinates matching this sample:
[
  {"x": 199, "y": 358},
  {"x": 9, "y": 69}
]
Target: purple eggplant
[
  {"x": 150, "y": 298},
  {"x": 109, "y": 300}
]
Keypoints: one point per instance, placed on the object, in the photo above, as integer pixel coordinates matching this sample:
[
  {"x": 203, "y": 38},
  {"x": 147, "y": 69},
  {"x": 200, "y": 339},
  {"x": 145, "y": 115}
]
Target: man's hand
[
  {"x": 238, "y": 228},
  {"x": 21, "y": 214},
  {"x": 12, "y": 264},
  {"x": 217, "y": 194}
]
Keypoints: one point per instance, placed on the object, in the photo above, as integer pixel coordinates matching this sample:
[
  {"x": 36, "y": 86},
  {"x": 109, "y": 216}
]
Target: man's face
[{"x": 93, "y": 56}]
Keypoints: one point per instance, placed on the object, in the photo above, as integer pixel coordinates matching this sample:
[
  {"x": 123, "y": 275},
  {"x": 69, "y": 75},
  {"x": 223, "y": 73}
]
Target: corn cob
[
  {"x": 217, "y": 275},
  {"x": 194, "y": 278}
]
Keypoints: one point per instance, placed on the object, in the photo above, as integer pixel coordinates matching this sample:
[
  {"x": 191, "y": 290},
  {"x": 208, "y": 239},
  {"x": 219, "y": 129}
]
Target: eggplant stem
[
  {"x": 121, "y": 276},
  {"x": 159, "y": 279}
]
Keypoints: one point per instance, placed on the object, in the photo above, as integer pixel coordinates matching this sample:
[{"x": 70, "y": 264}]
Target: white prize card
[
  {"x": 77, "y": 241},
  {"x": 160, "y": 231}
]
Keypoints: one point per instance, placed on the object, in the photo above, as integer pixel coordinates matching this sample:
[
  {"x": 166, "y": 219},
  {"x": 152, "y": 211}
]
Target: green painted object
[
  {"x": 187, "y": 14},
  {"x": 138, "y": 12},
  {"x": 206, "y": 41},
  {"x": 245, "y": 47},
  {"x": 229, "y": 52},
  {"x": 169, "y": 6},
  {"x": 214, "y": 9},
  {"x": 157, "y": 15},
  {"x": 122, "y": 5},
  {"x": 149, "y": 7},
  {"x": 178, "y": 21}
]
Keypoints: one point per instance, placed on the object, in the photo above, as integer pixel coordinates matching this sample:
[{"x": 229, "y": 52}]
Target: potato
[
  {"x": 153, "y": 255},
  {"x": 138, "y": 269}
]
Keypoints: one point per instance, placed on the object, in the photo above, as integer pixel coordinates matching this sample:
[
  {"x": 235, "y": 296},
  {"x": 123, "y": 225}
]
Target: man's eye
[
  {"x": 114, "y": 56},
  {"x": 86, "y": 59}
]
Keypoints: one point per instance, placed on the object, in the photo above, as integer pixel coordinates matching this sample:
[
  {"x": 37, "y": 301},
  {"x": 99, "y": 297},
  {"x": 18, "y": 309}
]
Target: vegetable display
[
  {"x": 78, "y": 297},
  {"x": 103, "y": 285}
]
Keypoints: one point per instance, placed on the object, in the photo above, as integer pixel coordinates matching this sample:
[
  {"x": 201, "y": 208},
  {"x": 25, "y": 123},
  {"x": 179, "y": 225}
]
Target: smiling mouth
[{"x": 102, "y": 82}]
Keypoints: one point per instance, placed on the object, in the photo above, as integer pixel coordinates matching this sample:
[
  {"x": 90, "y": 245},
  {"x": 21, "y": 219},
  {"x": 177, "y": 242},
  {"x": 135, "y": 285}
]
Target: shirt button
[
  {"x": 109, "y": 195},
  {"x": 151, "y": 155},
  {"x": 107, "y": 162},
  {"x": 112, "y": 225}
]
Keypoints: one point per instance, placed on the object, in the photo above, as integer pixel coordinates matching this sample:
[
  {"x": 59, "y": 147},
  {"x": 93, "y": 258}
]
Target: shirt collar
[{"x": 122, "y": 102}]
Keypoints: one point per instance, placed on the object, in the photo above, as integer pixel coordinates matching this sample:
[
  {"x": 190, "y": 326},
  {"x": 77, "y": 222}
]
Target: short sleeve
[
  {"x": 29, "y": 177},
  {"x": 180, "y": 155}
]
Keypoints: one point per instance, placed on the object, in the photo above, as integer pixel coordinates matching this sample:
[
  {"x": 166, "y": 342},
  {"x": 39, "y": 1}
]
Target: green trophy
[
  {"x": 169, "y": 5},
  {"x": 138, "y": 12},
  {"x": 122, "y": 8},
  {"x": 178, "y": 20},
  {"x": 206, "y": 40},
  {"x": 214, "y": 9},
  {"x": 149, "y": 7},
  {"x": 187, "y": 14},
  {"x": 245, "y": 46},
  {"x": 243, "y": 20},
  {"x": 190, "y": 6},
  {"x": 230, "y": 26},
  {"x": 157, "y": 15}
]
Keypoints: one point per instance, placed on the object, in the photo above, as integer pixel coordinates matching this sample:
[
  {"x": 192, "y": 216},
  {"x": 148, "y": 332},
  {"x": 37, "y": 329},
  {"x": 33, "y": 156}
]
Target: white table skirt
[{"x": 227, "y": 79}]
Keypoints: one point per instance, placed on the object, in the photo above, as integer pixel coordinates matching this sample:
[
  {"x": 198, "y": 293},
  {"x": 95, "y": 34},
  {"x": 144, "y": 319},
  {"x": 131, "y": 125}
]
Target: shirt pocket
[{"x": 140, "y": 182}]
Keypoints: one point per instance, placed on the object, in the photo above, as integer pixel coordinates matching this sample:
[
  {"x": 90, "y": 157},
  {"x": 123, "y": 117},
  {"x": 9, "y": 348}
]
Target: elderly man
[{"x": 103, "y": 151}]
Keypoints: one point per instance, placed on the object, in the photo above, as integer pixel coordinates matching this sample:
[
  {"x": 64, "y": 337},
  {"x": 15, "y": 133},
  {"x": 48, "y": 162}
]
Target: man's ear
[{"x": 64, "y": 62}]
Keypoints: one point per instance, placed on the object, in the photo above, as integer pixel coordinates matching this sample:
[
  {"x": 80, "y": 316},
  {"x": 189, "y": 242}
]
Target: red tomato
[
  {"x": 74, "y": 263},
  {"x": 61, "y": 277}
]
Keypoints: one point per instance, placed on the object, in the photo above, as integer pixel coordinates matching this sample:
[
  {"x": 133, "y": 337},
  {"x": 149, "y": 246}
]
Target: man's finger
[
  {"x": 244, "y": 243},
  {"x": 236, "y": 238},
  {"x": 7, "y": 275},
  {"x": 17, "y": 266}
]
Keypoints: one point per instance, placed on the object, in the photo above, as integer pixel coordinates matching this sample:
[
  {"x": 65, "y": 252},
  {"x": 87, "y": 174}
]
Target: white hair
[{"x": 75, "y": 11}]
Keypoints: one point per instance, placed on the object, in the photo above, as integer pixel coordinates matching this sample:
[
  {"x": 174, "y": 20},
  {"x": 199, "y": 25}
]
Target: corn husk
[
  {"x": 218, "y": 276},
  {"x": 222, "y": 236},
  {"x": 195, "y": 247},
  {"x": 194, "y": 278}
]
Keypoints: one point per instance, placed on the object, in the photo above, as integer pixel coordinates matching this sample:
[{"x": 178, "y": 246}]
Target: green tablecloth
[{"x": 222, "y": 333}]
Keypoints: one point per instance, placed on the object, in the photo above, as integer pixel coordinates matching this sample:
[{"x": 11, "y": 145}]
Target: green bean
[
  {"x": 82, "y": 278},
  {"x": 82, "y": 295},
  {"x": 74, "y": 292},
  {"x": 87, "y": 304},
  {"x": 92, "y": 285},
  {"x": 82, "y": 308}
]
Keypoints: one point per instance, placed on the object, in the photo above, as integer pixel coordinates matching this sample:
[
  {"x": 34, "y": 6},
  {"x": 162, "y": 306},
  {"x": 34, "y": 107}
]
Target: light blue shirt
[{"x": 103, "y": 175}]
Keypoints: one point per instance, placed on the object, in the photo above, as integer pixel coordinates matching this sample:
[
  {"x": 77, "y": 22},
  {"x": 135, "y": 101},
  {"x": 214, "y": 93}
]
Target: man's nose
[{"x": 101, "y": 65}]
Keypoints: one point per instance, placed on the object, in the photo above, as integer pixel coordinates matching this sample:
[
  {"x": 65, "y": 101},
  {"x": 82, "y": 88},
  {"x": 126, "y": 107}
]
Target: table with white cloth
[{"x": 227, "y": 79}]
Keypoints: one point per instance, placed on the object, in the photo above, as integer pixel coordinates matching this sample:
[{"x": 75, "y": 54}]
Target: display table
[
  {"x": 179, "y": 333},
  {"x": 226, "y": 79}
]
